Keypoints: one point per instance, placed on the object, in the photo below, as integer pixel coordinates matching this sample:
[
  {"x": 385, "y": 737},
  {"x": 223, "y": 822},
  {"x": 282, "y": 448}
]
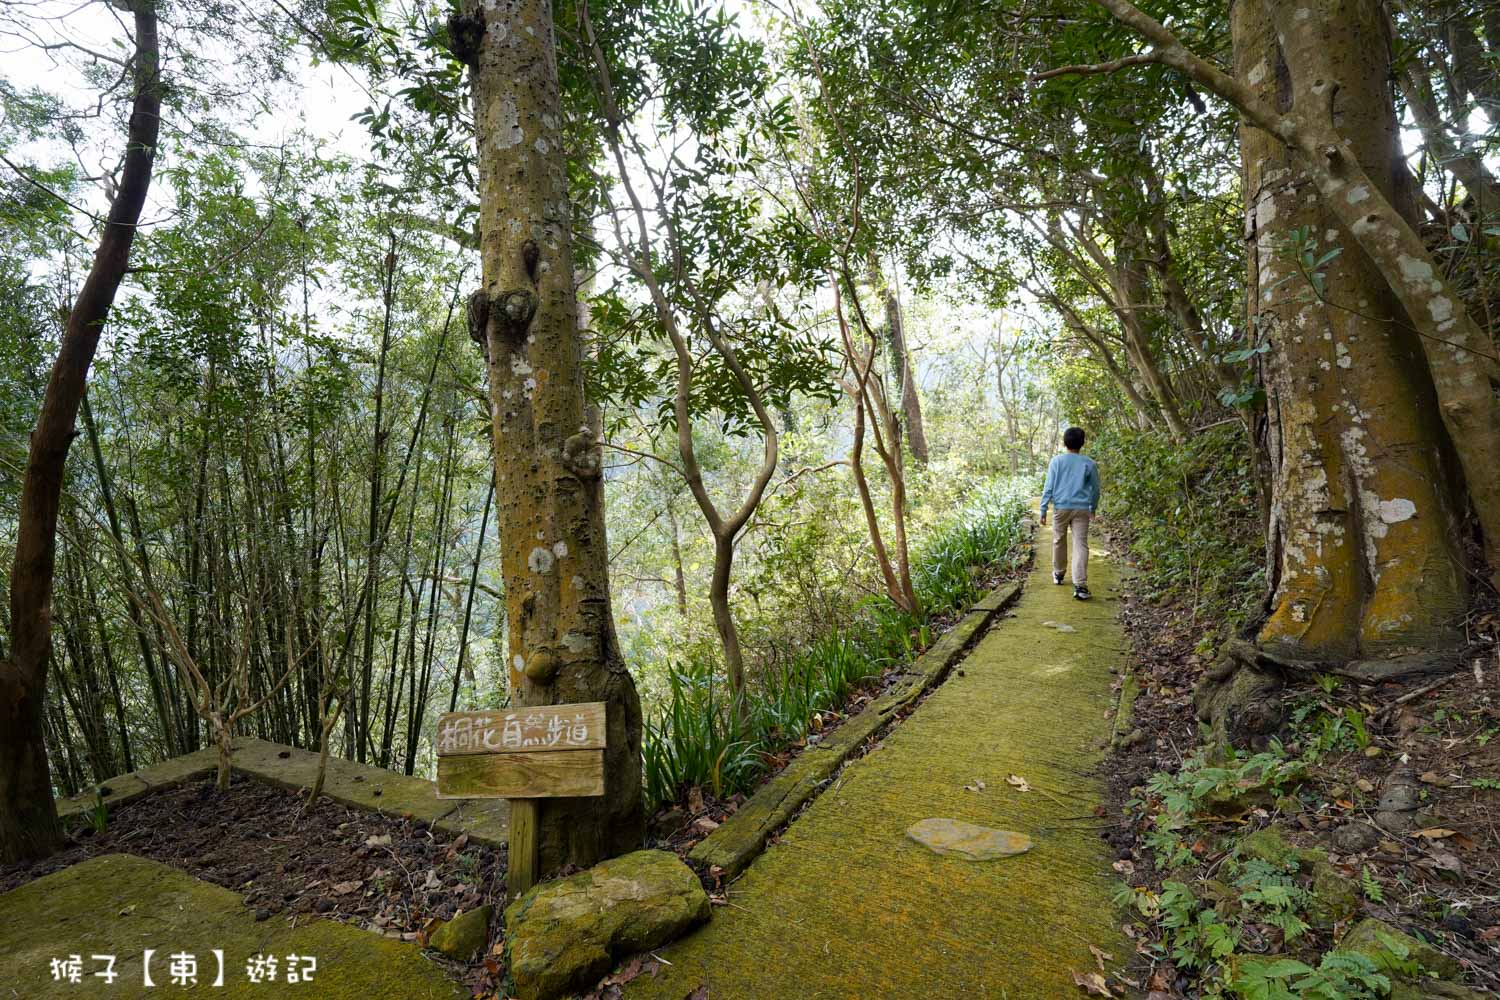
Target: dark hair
[{"x": 1073, "y": 438}]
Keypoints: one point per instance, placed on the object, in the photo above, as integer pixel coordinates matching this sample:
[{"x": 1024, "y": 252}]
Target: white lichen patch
[
  {"x": 507, "y": 125},
  {"x": 560, "y": 549},
  {"x": 1414, "y": 271},
  {"x": 1441, "y": 308},
  {"x": 518, "y": 661},
  {"x": 541, "y": 560},
  {"x": 1257, "y": 73},
  {"x": 519, "y": 365},
  {"x": 1397, "y": 510},
  {"x": 578, "y": 642},
  {"x": 1357, "y": 194}
]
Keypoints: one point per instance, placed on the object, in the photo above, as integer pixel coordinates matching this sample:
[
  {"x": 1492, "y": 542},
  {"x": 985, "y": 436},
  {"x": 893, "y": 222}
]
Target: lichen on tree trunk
[
  {"x": 1361, "y": 535},
  {"x": 562, "y": 644}
]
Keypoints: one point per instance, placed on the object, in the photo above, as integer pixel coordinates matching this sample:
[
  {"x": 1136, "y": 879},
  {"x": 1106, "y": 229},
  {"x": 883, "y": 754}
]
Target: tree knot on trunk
[
  {"x": 542, "y": 666},
  {"x": 465, "y": 33},
  {"x": 479, "y": 320},
  {"x": 514, "y": 310},
  {"x": 580, "y": 457}
]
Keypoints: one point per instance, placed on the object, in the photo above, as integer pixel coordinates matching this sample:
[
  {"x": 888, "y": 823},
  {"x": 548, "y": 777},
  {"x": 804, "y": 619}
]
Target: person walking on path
[{"x": 1073, "y": 489}]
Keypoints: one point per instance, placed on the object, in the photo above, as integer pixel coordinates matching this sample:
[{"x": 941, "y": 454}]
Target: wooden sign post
[{"x": 522, "y": 754}]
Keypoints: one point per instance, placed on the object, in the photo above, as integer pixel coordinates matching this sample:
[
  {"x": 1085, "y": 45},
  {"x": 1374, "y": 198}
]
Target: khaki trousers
[{"x": 1078, "y": 521}]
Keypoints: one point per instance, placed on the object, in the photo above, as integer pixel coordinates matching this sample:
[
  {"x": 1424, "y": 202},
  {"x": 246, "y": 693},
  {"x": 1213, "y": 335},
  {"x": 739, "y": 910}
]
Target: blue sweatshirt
[{"x": 1072, "y": 483}]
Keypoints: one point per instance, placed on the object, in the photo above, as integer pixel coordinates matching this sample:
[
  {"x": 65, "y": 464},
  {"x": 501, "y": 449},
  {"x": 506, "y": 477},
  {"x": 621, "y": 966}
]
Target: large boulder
[{"x": 563, "y": 936}]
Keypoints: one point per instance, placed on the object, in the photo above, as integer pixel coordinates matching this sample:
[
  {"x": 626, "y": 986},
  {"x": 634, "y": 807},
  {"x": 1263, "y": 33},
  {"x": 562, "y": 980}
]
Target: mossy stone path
[
  {"x": 845, "y": 906},
  {"x": 120, "y": 905}
]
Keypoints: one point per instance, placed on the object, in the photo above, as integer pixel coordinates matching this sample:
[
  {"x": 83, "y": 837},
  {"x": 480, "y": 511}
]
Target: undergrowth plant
[
  {"x": 698, "y": 737},
  {"x": 1189, "y": 514}
]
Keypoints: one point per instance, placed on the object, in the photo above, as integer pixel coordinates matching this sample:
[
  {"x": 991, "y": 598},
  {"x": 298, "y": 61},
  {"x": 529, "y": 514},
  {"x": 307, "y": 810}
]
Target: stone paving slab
[
  {"x": 359, "y": 785},
  {"x": 845, "y": 906},
  {"x": 120, "y": 905}
]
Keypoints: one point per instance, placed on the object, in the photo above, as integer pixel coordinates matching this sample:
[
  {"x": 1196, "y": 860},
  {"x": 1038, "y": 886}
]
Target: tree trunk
[
  {"x": 562, "y": 642},
  {"x": 679, "y": 580},
  {"x": 375, "y": 537},
  {"x": 1361, "y": 536},
  {"x": 1294, "y": 96},
  {"x": 28, "y": 815},
  {"x": 1145, "y": 418},
  {"x": 729, "y": 635},
  {"x": 902, "y": 375}
]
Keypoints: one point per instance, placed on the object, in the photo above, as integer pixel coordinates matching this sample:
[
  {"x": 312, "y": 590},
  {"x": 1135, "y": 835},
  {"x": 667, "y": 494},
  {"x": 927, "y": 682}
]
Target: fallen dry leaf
[
  {"x": 1091, "y": 983},
  {"x": 1435, "y": 833},
  {"x": 1433, "y": 778},
  {"x": 384, "y": 840},
  {"x": 1100, "y": 956},
  {"x": 1018, "y": 783},
  {"x": 978, "y": 786},
  {"x": 344, "y": 888}
]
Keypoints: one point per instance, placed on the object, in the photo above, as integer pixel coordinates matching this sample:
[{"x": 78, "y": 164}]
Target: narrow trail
[{"x": 846, "y": 906}]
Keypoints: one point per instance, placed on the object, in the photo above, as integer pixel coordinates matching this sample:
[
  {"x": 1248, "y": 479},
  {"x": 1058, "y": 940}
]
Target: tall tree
[
  {"x": 562, "y": 643},
  {"x": 1367, "y": 563},
  {"x": 28, "y": 815}
]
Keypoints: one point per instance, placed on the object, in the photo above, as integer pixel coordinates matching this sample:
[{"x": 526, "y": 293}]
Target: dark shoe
[
  {"x": 1057, "y": 578},
  {"x": 1081, "y": 593}
]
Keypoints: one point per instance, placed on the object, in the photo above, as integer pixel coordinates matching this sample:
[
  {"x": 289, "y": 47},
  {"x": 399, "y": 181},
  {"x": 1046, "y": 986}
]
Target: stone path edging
[
  {"x": 359, "y": 785},
  {"x": 739, "y": 839}
]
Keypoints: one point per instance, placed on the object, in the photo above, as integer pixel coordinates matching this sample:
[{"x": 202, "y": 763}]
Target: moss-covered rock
[
  {"x": 1334, "y": 896},
  {"x": 1270, "y": 845},
  {"x": 1392, "y": 951},
  {"x": 121, "y": 905},
  {"x": 1433, "y": 989},
  {"x": 465, "y": 936},
  {"x": 564, "y": 935}
]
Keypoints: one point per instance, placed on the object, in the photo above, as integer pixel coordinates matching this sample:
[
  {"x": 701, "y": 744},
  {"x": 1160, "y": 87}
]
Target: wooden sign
[{"x": 542, "y": 752}]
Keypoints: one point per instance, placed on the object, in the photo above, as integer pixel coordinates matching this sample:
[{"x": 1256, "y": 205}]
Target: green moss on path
[
  {"x": 846, "y": 906},
  {"x": 121, "y": 905}
]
